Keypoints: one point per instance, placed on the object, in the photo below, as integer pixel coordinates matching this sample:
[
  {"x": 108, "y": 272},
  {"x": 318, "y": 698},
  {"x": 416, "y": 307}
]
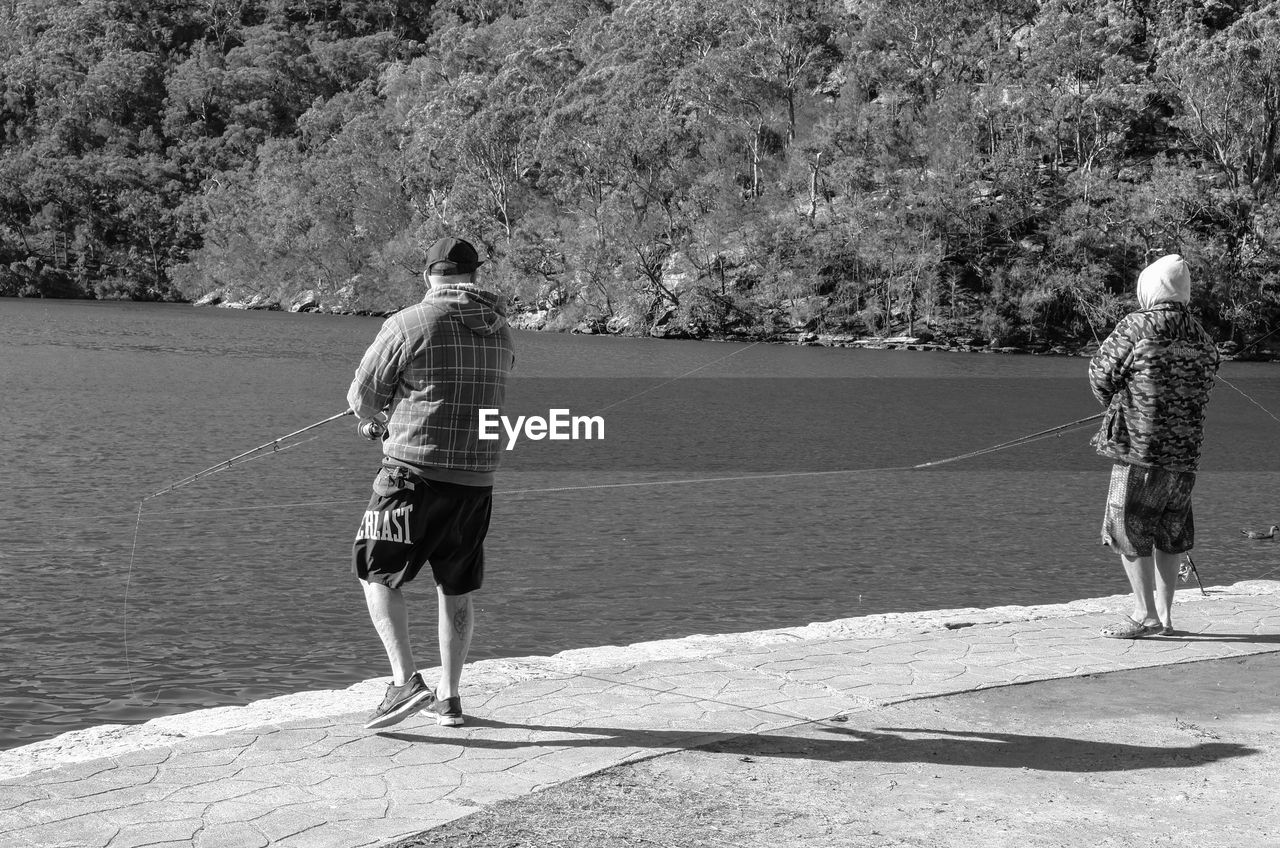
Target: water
[{"x": 239, "y": 585}]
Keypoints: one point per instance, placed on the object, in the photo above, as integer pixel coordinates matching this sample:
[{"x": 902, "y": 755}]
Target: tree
[
  {"x": 1226, "y": 85},
  {"x": 1086, "y": 81}
]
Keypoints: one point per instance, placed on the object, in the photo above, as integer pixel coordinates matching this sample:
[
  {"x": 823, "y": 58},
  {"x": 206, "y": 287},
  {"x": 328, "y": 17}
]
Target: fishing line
[
  {"x": 1249, "y": 398},
  {"x": 1268, "y": 412},
  {"x": 1268, "y": 574},
  {"x": 275, "y": 445},
  {"x": 729, "y": 479},
  {"x": 128, "y": 582},
  {"x": 685, "y": 374},
  {"x": 1012, "y": 443},
  {"x": 253, "y": 506},
  {"x": 1089, "y": 312}
]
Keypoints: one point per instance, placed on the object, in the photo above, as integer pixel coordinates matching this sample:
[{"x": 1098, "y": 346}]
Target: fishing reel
[{"x": 372, "y": 429}]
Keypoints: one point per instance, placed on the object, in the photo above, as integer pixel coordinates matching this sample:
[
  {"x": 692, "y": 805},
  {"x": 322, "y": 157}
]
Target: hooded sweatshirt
[
  {"x": 1154, "y": 373},
  {"x": 432, "y": 368},
  {"x": 1167, "y": 280}
]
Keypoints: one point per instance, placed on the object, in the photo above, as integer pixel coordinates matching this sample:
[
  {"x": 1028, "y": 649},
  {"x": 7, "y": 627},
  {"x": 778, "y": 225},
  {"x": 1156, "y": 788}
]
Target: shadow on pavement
[
  {"x": 887, "y": 745},
  {"x": 1245, "y": 638}
]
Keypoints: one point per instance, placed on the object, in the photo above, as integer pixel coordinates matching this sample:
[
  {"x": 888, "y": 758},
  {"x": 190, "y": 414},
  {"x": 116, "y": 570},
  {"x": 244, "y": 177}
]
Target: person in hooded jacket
[
  {"x": 427, "y": 375},
  {"x": 1153, "y": 374}
]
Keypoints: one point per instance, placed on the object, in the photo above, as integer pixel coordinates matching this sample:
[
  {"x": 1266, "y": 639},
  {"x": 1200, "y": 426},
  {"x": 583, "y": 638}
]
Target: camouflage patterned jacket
[{"x": 1154, "y": 373}]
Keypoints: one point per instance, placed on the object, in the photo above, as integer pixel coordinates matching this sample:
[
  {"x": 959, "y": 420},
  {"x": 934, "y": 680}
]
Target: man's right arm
[
  {"x": 1109, "y": 367},
  {"x": 377, "y": 374}
]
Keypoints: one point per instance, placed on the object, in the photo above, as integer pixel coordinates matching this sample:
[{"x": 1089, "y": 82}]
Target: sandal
[{"x": 1130, "y": 629}]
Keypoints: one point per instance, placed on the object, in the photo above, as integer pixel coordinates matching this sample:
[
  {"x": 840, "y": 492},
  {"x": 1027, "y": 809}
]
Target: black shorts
[{"x": 411, "y": 522}]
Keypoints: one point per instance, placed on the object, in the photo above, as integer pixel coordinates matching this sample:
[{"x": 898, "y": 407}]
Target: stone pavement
[{"x": 300, "y": 771}]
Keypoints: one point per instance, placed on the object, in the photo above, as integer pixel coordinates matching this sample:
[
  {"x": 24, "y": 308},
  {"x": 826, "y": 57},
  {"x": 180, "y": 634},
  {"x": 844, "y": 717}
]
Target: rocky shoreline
[{"x": 538, "y": 321}]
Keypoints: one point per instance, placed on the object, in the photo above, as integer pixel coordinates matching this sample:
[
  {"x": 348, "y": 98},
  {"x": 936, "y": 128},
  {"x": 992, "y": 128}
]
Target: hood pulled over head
[{"x": 1167, "y": 280}]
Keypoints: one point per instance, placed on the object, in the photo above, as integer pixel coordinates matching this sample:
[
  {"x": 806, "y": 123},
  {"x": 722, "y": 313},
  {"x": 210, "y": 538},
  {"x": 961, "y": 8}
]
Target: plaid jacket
[
  {"x": 1154, "y": 373},
  {"x": 433, "y": 367}
]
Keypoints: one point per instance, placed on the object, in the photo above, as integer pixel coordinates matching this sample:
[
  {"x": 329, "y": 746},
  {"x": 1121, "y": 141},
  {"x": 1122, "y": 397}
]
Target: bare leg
[
  {"x": 457, "y": 620},
  {"x": 1142, "y": 579},
  {"x": 391, "y": 620},
  {"x": 1166, "y": 573}
]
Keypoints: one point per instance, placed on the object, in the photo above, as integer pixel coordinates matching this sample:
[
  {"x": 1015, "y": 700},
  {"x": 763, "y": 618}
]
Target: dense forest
[{"x": 999, "y": 169}]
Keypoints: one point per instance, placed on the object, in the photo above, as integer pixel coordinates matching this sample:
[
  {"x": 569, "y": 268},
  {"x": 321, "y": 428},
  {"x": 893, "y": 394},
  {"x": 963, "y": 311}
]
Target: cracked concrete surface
[{"x": 300, "y": 770}]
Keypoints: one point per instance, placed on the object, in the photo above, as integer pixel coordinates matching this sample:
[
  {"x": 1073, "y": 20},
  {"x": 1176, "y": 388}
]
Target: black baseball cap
[{"x": 452, "y": 256}]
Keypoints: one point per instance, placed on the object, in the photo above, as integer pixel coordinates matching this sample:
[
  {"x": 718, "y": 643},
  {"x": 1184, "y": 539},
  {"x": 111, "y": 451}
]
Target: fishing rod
[
  {"x": 371, "y": 429},
  {"x": 1257, "y": 341},
  {"x": 1187, "y": 568},
  {"x": 1021, "y": 440}
]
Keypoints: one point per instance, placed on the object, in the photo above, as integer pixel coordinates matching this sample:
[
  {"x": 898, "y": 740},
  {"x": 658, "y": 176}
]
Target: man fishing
[
  {"x": 1153, "y": 373},
  {"x": 429, "y": 372}
]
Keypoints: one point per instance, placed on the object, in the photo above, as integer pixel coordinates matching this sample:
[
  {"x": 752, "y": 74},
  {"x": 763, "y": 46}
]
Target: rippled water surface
[{"x": 780, "y": 489}]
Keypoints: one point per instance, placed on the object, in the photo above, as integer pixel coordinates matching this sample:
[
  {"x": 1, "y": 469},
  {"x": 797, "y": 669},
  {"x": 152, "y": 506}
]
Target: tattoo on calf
[{"x": 460, "y": 617}]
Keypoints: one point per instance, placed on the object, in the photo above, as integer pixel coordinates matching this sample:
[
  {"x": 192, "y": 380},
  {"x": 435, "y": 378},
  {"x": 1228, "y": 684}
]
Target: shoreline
[
  {"x": 536, "y": 321},
  {"x": 795, "y": 337},
  {"x": 113, "y": 740}
]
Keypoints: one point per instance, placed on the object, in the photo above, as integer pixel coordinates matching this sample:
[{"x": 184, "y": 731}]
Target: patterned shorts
[{"x": 1149, "y": 508}]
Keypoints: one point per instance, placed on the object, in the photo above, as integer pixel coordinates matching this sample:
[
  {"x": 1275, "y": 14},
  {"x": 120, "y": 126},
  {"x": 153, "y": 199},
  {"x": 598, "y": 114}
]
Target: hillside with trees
[{"x": 999, "y": 169}]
